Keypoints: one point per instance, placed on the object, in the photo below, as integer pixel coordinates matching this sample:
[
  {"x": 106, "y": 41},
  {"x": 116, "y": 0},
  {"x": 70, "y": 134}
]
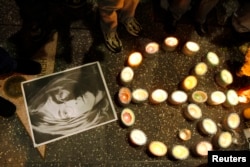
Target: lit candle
[
  {"x": 178, "y": 97},
  {"x": 138, "y": 137},
  {"x": 224, "y": 78},
  {"x": 232, "y": 98},
  {"x": 127, "y": 117},
  {"x": 212, "y": 59},
  {"x": 180, "y": 152},
  {"x": 170, "y": 43},
  {"x": 151, "y": 48},
  {"x": 207, "y": 126},
  {"x": 246, "y": 113},
  {"x": 184, "y": 134},
  {"x": 158, "y": 96},
  {"x": 190, "y": 48},
  {"x": 216, "y": 98},
  {"x": 198, "y": 96},
  {"x": 222, "y": 140},
  {"x": 202, "y": 148},
  {"x": 189, "y": 83},
  {"x": 124, "y": 96},
  {"x": 139, "y": 95},
  {"x": 193, "y": 112},
  {"x": 200, "y": 69},
  {"x": 127, "y": 75},
  {"x": 134, "y": 59},
  {"x": 157, "y": 148},
  {"x": 231, "y": 121}
]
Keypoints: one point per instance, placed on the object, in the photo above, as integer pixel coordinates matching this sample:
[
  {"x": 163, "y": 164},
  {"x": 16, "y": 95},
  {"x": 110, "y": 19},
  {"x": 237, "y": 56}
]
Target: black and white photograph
[{"x": 67, "y": 103}]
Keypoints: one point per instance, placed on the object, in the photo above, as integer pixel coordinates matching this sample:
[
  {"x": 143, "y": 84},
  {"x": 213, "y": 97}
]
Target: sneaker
[
  {"x": 133, "y": 26},
  {"x": 28, "y": 67},
  {"x": 112, "y": 41},
  {"x": 7, "y": 108}
]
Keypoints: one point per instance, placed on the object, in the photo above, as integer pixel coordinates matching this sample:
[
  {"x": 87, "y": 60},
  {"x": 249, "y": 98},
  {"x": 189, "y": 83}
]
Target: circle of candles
[
  {"x": 200, "y": 69},
  {"x": 246, "y": 113},
  {"x": 178, "y": 97},
  {"x": 127, "y": 75},
  {"x": 189, "y": 82},
  {"x": 139, "y": 95},
  {"x": 193, "y": 112},
  {"x": 190, "y": 48},
  {"x": 135, "y": 59},
  {"x": 202, "y": 148},
  {"x": 124, "y": 96},
  {"x": 151, "y": 48},
  {"x": 232, "y": 98},
  {"x": 185, "y": 134},
  {"x": 180, "y": 152},
  {"x": 207, "y": 126},
  {"x": 158, "y": 96},
  {"x": 222, "y": 140},
  {"x": 231, "y": 121},
  {"x": 170, "y": 43},
  {"x": 138, "y": 137},
  {"x": 224, "y": 78},
  {"x": 127, "y": 117},
  {"x": 198, "y": 96},
  {"x": 212, "y": 59},
  {"x": 216, "y": 98},
  {"x": 157, "y": 148}
]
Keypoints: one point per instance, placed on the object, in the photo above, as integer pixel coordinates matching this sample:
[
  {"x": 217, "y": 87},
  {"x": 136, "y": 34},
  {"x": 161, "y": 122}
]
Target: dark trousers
[{"x": 7, "y": 64}]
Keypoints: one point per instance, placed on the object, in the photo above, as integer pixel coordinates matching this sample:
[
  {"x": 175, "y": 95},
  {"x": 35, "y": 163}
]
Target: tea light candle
[
  {"x": 127, "y": 75},
  {"x": 189, "y": 83},
  {"x": 180, "y": 152},
  {"x": 170, "y": 43},
  {"x": 232, "y": 98},
  {"x": 198, "y": 96},
  {"x": 212, "y": 59},
  {"x": 139, "y": 95},
  {"x": 202, "y": 148},
  {"x": 178, "y": 97},
  {"x": 231, "y": 121},
  {"x": 157, "y": 148},
  {"x": 216, "y": 98},
  {"x": 138, "y": 137},
  {"x": 127, "y": 117},
  {"x": 158, "y": 96},
  {"x": 193, "y": 112},
  {"x": 246, "y": 113},
  {"x": 151, "y": 48},
  {"x": 222, "y": 140},
  {"x": 224, "y": 78},
  {"x": 185, "y": 134},
  {"x": 124, "y": 96},
  {"x": 207, "y": 126},
  {"x": 190, "y": 48},
  {"x": 200, "y": 69},
  {"x": 134, "y": 59}
]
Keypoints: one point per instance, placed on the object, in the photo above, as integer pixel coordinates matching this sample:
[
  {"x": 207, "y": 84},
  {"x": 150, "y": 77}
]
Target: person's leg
[
  {"x": 7, "y": 108},
  {"x": 109, "y": 22},
  {"x": 7, "y": 64}
]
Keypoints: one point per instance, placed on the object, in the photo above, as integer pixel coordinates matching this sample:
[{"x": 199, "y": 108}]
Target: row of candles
[{"x": 207, "y": 126}]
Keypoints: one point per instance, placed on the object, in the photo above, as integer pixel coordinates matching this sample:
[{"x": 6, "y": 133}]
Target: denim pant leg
[{"x": 7, "y": 64}]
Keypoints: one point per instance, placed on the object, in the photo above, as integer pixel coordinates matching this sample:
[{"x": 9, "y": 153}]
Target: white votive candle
[
  {"x": 222, "y": 140},
  {"x": 180, "y": 152},
  {"x": 231, "y": 121},
  {"x": 189, "y": 83},
  {"x": 158, "y": 96},
  {"x": 232, "y": 98},
  {"x": 200, "y": 69},
  {"x": 207, "y": 126},
  {"x": 224, "y": 78},
  {"x": 127, "y": 75},
  {"x": 178, "y": 97},
  {"x": 170, "y": 43},
  {"x": 151, "y": 48},
  {"x": 124, "y": 96},
  {"x": 157, "y": 148},
  {"x": 138, "y": 137},
  {"x": 190, "y": 48},
  {"x": 216, "y": 98},
  {"x": 185, "y": 134},
  {"x": 127, "y": 117},
  {"x": 212, "y": 59},
  {"x": 135, "y": 59},
  {"x": 198, "y": 96},
  {"x": 139, "y": 95},
  {"x": 202, "y": 148},
  {"x": 193, "y": 112}
]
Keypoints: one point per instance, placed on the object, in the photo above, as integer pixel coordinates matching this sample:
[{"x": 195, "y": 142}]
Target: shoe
[
  {"x": 28, "y": 67},
  {"x": 201, "y": 29},
  {"x": 7, "y": 108},
  {"x": 133, "y": 26},
  {"x": 171, "y": 26},
  {"x": 112, "y": 41}
]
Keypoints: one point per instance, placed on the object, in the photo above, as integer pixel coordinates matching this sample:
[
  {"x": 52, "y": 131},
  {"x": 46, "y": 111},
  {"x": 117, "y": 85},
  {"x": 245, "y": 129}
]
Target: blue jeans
[{"x": 7, "y": 63}]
